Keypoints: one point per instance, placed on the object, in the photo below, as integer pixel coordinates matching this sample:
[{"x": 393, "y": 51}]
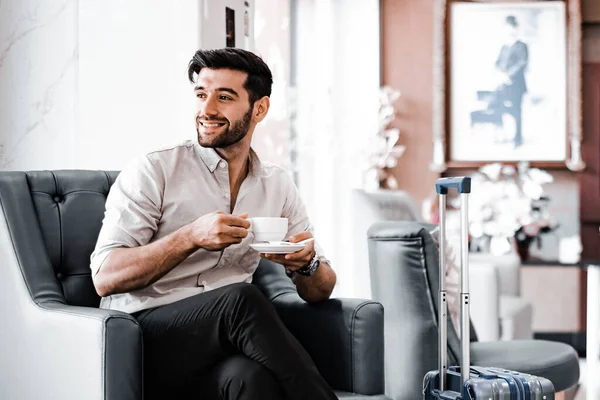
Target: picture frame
[
  {"x": 507, "y": 84},
  {"x": 226, "y": 23}
]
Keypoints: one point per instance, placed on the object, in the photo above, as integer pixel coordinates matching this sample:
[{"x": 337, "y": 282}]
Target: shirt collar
[
  {"x": 211, "y": 159},
  {"x": 255, "y": 164},
  {"x": 208, "y": 156}
]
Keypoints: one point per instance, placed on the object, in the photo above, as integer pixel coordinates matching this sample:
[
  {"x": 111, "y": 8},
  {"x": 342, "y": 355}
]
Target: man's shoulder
[
  {"x": 170, "y": 150},
  {"x": 151, "y": 161},
  {"x": 271, "y": 170}
]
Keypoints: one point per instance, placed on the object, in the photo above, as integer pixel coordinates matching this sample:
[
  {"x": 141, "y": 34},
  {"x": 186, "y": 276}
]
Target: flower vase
[
  {"x": 523, "y": 244},
  {"x": 523, "y": 250}
]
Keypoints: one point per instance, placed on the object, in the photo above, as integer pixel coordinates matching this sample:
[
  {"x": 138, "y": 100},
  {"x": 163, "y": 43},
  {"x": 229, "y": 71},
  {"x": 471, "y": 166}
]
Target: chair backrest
[
  {"x": 403, "y": 263},
  {"x": 54, "y": 218},
  {"x": 373, "y": 206},
  {"x": 387, "y": 205}
]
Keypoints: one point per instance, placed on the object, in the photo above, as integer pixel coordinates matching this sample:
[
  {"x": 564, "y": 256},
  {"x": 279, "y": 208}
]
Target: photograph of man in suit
[{"x": 510, "y": 66}]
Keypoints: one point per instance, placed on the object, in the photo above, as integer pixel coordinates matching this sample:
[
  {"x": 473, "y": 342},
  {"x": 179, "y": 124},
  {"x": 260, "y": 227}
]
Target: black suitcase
[{"x": 467, "y": 382}]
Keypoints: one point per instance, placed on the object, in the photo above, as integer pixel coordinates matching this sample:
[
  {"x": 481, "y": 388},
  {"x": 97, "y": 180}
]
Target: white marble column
[{"x": 38, "y": 84}]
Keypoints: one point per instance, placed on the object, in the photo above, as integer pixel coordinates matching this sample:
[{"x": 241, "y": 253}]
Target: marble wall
[
  {"x": 90, "y": 84},
  {"x": 38, "y": 83},
  {"x": 134, "y": 95}
]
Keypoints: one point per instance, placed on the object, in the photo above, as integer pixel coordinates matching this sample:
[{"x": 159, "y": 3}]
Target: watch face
[
  {"x": 313, "y": 267},
  {"x": 310, "y": 270}
]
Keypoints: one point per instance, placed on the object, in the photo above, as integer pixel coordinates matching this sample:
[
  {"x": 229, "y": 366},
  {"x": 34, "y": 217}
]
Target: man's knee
[
  {"x": 239, "y": 377},
  {"x": 245, "y": 292},
  {"x": 243, "y": 306}
]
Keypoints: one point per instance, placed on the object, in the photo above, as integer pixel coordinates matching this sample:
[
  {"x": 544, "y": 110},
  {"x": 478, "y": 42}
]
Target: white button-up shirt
[{"x": 164, "y": 190}]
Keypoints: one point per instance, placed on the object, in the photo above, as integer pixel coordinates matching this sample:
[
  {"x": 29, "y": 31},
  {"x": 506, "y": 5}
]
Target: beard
[{"x": 233, "y": 134}]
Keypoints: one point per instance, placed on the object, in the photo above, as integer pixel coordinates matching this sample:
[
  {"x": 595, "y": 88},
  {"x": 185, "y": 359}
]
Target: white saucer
[{"x": 277, "y": 247}]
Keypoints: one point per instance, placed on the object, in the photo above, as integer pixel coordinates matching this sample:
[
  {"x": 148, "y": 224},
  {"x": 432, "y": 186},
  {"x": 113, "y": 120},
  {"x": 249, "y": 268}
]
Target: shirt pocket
[{"x": 247, "y": 258}]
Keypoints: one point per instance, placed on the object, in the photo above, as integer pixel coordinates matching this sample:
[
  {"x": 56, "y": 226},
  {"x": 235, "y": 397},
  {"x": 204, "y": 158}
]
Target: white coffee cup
[{"x": 268, "y": 229}]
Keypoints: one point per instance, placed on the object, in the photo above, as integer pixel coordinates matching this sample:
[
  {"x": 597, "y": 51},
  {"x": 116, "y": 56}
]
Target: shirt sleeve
[
  {"x": 133, "y": 210},
  {"x": 295, "y": 211}
]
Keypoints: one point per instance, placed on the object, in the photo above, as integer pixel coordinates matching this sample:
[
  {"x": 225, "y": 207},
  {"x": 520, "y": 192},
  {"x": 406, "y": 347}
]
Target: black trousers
[{"x": 227, "y": 343}]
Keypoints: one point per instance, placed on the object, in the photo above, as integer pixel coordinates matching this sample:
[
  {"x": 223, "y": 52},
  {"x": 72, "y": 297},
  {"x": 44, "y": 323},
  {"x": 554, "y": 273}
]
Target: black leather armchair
[
  {"x": 405, "y": 279},
  {"x": 55, "y": 342}
]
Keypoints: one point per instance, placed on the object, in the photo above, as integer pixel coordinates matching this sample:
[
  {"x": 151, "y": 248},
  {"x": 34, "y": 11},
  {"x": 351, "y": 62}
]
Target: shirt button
[
  {"x": 222, "y": 165},
  {"x": 226, "y": 195}
]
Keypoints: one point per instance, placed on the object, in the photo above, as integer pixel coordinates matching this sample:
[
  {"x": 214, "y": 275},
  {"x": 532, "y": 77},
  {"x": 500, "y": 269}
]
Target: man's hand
[
  {"x": 129, "y": 269},
  {"x": 297, "y": 260},
  {"x": 501, "y": 78},
  {"x": 218, "y": 230},
  {"x": 312, "y": 289},
  {"x": 506, "y": 79}
]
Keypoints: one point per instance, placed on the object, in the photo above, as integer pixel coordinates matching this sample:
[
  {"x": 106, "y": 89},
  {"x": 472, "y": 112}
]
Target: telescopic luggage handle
[
  {"x": 463, "y": 187},
  {"x": 462, "y": 184}
]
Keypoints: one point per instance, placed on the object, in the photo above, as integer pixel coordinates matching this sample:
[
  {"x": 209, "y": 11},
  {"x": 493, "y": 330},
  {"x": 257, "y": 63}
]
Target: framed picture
[
  {"x": 229, "y": 27},
  {"x": 226, "y": 23},
  {"x": 507, "y": 83}
]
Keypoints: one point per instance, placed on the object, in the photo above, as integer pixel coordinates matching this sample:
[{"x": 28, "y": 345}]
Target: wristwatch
[{"x": 311, "y": 268}]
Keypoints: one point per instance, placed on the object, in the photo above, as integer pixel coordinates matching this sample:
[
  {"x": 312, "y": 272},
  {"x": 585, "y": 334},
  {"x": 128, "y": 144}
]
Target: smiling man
[{"x": 174, "y": 250}]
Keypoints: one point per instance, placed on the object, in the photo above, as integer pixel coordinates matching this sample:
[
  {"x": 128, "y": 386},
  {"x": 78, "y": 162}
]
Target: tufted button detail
[
  {"x": 57, "y": 199},
  {"x": 59, "y": 276}
]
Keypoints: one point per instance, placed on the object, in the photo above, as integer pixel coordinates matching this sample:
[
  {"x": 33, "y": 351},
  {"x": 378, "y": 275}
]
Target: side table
[{"x": 592, "y": 327}]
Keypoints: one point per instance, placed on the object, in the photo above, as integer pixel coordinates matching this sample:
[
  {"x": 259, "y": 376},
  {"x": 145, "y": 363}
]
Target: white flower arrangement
[
  {"x": 382, "y": 151},
  {"x": 506, "y": 203}
]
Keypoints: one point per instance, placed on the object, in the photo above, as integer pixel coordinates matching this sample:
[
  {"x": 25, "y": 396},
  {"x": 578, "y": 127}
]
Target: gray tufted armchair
[
  {"x": 405, "y": 279},
  {"x": 55, "y": 343}
]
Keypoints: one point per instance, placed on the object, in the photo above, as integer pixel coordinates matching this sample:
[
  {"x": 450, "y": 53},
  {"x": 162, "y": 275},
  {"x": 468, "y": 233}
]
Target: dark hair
[
  {"x": 259, "y": 81},
  {"x": 512, "y": 21}
]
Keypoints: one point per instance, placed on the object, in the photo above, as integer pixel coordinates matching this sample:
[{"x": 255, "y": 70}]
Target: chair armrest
[
  {"x": 73, "y": 353},
  {"x": 344, "y": 337},
  {"x": 484, "y": 287},
  {"x": 49, "y": 350}
]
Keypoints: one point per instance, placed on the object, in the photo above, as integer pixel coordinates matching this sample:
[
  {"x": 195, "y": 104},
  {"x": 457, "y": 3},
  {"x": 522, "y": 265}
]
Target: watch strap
[{"x": 311, "y": 268}]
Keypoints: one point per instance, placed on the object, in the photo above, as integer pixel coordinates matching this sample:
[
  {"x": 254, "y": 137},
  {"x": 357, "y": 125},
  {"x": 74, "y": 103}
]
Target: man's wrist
[
  {"x": 311, "y": 268},
  {"x": 308, "y": 263},
  {"x": 188, "y": 235}
]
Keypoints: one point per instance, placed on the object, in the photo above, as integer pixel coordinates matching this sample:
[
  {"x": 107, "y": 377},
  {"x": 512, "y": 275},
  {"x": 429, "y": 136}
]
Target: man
[
  {"x": 174, "y": 250},
  {"x": 511, "y": 64}
]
